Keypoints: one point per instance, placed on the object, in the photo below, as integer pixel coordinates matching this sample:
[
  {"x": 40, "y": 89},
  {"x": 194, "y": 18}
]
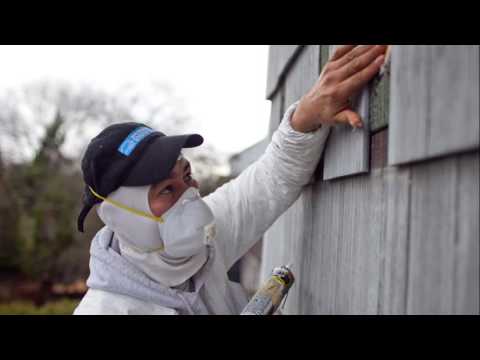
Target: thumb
[{"x": 348, "y": 117}]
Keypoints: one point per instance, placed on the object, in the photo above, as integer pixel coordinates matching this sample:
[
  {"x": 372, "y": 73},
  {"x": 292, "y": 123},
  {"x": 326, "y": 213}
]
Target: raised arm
[{"x": 247, "y": 206}]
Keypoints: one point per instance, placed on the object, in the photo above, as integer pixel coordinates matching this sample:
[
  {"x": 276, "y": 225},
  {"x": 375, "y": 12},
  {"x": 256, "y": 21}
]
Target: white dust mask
[
  {"x": 171, "y": 251},
  {"x": 188, "y": 225}
]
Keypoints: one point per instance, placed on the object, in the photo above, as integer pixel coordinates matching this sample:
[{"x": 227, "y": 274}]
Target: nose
[{"x": 182, "y": 186}]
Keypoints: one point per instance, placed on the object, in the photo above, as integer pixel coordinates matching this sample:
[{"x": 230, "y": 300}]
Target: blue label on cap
[{"x": 133, "y": 139}]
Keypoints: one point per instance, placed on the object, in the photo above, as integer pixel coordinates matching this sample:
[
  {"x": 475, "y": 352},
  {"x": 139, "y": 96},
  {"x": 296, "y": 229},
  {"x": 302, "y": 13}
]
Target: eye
[
  {"x": 188, "y": 177},
  {"x": 167, "y": 191}
]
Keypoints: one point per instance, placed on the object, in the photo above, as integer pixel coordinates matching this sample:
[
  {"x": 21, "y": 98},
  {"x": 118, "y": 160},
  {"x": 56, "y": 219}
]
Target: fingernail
[{"x": 380, "y": 59}]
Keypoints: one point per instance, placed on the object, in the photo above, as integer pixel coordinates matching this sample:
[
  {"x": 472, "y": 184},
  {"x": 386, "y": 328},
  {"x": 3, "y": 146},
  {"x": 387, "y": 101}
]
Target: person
[{"x": 164, "y": 249}]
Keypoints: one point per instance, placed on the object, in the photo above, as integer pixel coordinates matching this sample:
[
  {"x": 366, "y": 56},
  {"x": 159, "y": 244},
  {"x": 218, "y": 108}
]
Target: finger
[
  {"x": 341, "y": 51},
  {"x": 357, "y": 51},
  {"x": 349, "y": 117},
  {"x": 360, "y": 79},
  {"x": 359, "y": 63}
]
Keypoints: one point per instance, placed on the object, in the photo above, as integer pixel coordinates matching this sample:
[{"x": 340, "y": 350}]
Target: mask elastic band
[{"x": 126, "y": 208}]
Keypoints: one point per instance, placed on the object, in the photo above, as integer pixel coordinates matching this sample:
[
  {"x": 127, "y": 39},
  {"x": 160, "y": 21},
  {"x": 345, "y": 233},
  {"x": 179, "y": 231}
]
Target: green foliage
[
  {"x": 8, "y": 228},
  {"x": 46, "y": 199},
  {"x": 59, "y": 307}
]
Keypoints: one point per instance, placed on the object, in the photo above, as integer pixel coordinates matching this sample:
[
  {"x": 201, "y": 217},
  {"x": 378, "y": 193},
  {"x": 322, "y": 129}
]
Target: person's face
[{"x": 164, "y": 194}]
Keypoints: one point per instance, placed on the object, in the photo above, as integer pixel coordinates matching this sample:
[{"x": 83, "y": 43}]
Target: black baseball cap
[{"x": 128, "y": 154}]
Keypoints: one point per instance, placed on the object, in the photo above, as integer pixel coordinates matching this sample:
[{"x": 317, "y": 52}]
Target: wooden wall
[{"x": 400, "y": 233}]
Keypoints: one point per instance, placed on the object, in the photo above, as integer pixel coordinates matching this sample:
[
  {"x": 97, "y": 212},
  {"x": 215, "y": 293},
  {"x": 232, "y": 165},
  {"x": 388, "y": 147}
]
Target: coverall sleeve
[{"x": 248, "y": 205}]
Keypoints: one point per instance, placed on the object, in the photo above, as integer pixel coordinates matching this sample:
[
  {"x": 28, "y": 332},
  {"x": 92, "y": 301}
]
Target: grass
[{"x": 59, "y": 307}]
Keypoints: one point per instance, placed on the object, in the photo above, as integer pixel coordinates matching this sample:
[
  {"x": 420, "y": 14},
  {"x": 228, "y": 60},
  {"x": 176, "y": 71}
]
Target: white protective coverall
[{"x": 244, "y": 209}]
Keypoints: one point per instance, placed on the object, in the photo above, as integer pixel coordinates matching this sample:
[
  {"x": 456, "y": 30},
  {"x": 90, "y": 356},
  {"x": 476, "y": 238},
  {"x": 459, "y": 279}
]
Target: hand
[{"x": 350, "y": 68}]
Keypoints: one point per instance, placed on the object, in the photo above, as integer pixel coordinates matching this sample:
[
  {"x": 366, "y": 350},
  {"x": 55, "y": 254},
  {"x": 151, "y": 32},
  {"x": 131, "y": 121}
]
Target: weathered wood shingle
[
  {"x": 279, "y": 58},
  {"x": 303, "y": 74},
  {"x": 434, "y": 101},
  {"x": 443, "y": 235},
  {"x": 348, "y": 149}
]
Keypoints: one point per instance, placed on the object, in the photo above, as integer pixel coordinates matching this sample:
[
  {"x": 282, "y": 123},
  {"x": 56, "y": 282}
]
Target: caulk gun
[{"x": 269, "y": 297}]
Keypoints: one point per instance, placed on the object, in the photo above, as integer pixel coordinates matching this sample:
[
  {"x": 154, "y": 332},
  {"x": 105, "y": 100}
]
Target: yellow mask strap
[{"x": 126, "y": 208}]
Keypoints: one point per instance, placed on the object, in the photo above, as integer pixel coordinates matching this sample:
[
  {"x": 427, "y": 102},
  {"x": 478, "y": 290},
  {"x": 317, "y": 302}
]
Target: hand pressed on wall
[{"x": 327, "y": 103}]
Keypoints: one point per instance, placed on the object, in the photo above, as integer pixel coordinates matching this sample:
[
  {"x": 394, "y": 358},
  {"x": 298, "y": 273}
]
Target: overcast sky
[{"x": 223, "y": 87}]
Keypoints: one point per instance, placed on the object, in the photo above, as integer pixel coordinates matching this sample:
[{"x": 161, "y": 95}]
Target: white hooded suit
[{"x": 243, "y": 209}]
